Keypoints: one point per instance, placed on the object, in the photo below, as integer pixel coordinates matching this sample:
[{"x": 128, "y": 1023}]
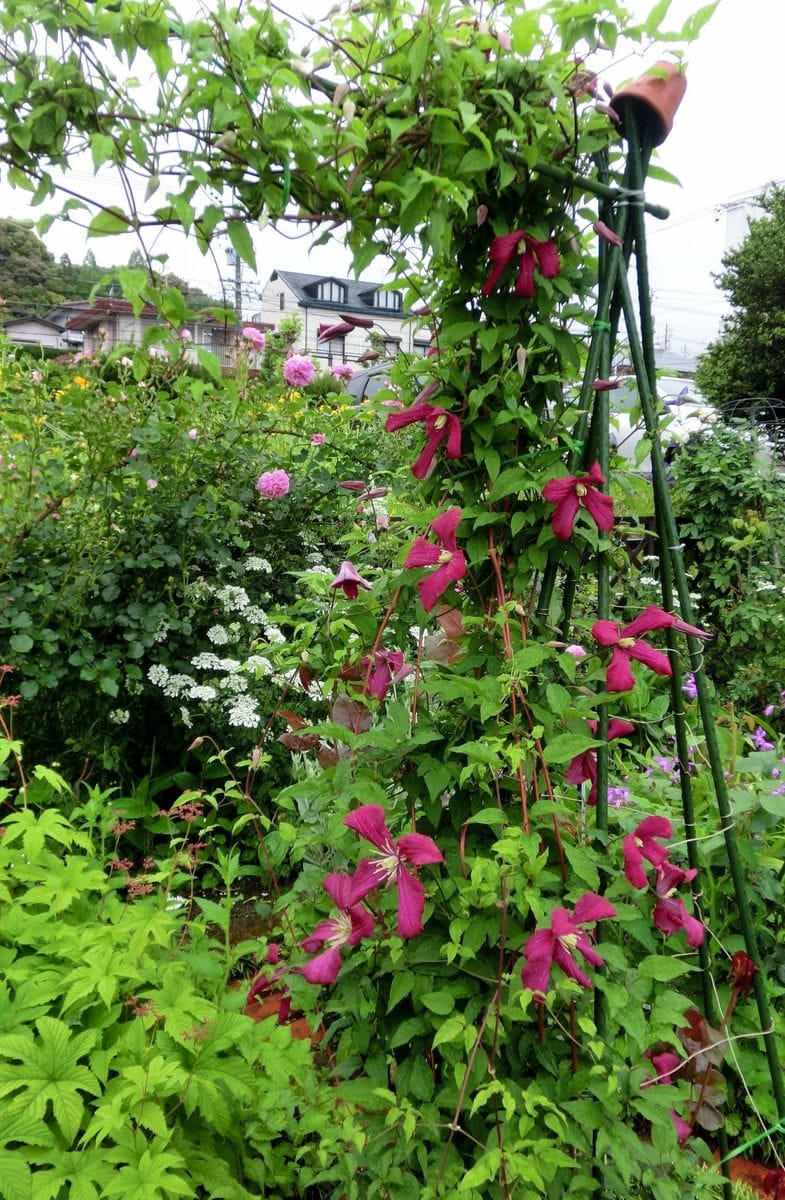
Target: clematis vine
[
  {"x": 352, "y": 924},
  {"x": 584, "y": 766},
  {"x": 350, "y": 580},
  {"x": 449, "y": 561},
  {"x": 391, "y": 867},
  {"x": 642, "y": 844},
  {"x": 530, "y": 252},
  {"x": 558, "y": 943},
  {"x": 670, "y": 914},
  {"x": 627, "y": 644},
  {"x": 440, "y": 426},
  {"x": 579, "y": 491},
  {"x": 385, "y": 669}
]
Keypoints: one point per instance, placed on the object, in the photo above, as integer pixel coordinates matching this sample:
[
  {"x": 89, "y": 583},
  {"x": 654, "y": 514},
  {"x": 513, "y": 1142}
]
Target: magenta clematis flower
[
  {"x": 531, "y": 252},
  {"x": 584, "y": 766},
  {"x": 390, "y": 868},
  {"x": 640, "y": 844},
  {"x": 665, "y": 1064},
  {"x": 670, "y": 915},
  {"x": 352, "y": 924},
  {"x": 440, "y": 426},
  {"x": 557, "y": 944},
  {"x": 385, "y": 669},
  {"x": 263, "y": 981},
  {"x": 626, "y": 645},
  {"x": 576, "y": 491},
  {"x": 349, "y": 579},
  {"x": 446, "y": 557}
]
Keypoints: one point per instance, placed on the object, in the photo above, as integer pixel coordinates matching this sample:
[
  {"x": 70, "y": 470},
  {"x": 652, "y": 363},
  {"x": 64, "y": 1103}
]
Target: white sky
[{"x": 727, "y": 140}]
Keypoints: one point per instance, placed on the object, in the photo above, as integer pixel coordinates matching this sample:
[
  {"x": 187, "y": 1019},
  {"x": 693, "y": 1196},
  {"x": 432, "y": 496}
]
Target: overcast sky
[{"x": 727, "y": 140}]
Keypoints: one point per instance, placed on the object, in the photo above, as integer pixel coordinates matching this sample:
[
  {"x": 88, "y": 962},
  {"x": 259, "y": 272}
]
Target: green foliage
[
  {"x": 747, "y": 361},
  {"x": 730, "y": 496},
  {"x": 127, "y": 1067}
]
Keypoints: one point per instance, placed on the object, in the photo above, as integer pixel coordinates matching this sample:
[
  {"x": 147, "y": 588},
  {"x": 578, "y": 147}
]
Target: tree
[
  {"x": 748, "y": 360},
  {"x": 30, "y": 280}
]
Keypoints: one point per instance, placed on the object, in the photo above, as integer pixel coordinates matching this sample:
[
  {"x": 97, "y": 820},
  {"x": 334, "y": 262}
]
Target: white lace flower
[
  {"x": 207, "y": 661},
  {"x": 158, "y": 674},
  {"x": 218, "y": 635},
  {"x": 253, "y": 563},
  {"x": 244, "y": 713},
  {"x": 234, "y": 599},
  {"x": 177, "y": 684},
  {"x": 202, "y": 691}
]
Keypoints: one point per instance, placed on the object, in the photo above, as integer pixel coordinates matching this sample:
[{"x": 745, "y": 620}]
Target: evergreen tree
[{"x": 748, "y": 360}]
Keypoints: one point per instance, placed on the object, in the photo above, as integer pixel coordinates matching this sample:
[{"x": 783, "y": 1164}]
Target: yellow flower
[{"x": 81, "y": 382}]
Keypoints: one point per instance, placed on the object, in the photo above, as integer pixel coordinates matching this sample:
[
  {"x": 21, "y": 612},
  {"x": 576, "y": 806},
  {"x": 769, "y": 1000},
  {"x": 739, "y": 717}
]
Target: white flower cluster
[
  {"x": 119, "y": 716},
  {"x": 234, "y": 599},
  {"x": 244, "y": 712},
  {"x": 218, "y": 635},
  {"x": 253, "y": 563}
]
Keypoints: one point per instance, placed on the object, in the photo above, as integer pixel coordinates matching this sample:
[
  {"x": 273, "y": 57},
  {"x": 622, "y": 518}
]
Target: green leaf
[
  {"x": 109, "y": 221},
  {"x": 21, "y": 643},
  {"x": 450, "y": 1031},
  {"x": 662, "y": 968},
  {"x": 565, "y": 746},
  {"x": 440, "y": 1003},
  {"x": 240, "y": 237}
]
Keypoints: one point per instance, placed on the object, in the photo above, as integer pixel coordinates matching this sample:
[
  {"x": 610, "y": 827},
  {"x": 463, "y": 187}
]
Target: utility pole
[{"x": 233, "y": 259}]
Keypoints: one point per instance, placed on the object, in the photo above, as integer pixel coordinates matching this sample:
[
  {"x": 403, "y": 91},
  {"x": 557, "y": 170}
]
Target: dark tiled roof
[{"x": 359, "y": 292}]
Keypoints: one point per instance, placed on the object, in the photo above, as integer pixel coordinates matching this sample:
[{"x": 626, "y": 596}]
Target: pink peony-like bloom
[
  {"x": 318, "y": 439},
  {"x": 575, "y": 650},
  {"x": 558, "y": 943},
  {"x": 576, "y": 491},
  {"x": 273, "y": 484},
  {"x": 254, "y": 336},
  {"x": 384, "y": 670},
  {"x": 446, "y": 557},
  {"x": 584, "y": 766},
  {"x": 440, "y": 426},
  {"x": 349, "y": 579},
  {"x": 298, "y": 371},
  {"x": 641, "y": 844},
  {"x": 343, "y": 370},
  {"x": 352, "y": 924},
  {"x": 390, "y": 868},
  {"x": 670, "y": 915},
  {"x": 626, "y": 645},
  {"x": 151, "y": 484},
  {"x": 531, "y": 252}
]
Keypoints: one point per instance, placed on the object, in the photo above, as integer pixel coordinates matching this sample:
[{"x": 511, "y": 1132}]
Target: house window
[
  {"x": 421, "y": 348},
  {"x": 333, "y": 351},
  {"x": 332, "y": 292},
  {"x": 282, "y": 300},
  {"x": 392, "y": 345},
  {"x": 392, "y": 301}
]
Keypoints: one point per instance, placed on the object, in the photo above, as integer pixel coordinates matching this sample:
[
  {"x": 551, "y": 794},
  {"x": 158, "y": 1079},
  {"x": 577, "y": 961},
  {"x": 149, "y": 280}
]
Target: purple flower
[
  {"x": 618, "y": 796},
  {"x": 558, "y": 943},
  {"x": 573, "y": 492},
  {"x": 690, "y": 687},
  {"x": 770, "y": 710},
  {"x": 352, "y": 924},
  {"x": 343, "y": 370},
  {"x": 530, "y": 252},
  {"x": 384, "y": 670},
  {"x": 642, "y": 844},
  {"x": 254, "y": 336},
  {"x": 350, "y": 580},
  {"x": 440, "y": 426},
  {"x": 760, "y": 741},
  {"x": 627, "y": 644},
  {"x": 390, "y": 867},
  {"x": 670, "y": 915},
  {"x": 668, "y": 765},
  {"x": 298, "y": 371},
  {"x": 273, "y": 484},
  {"x": 449, "y": 561}
]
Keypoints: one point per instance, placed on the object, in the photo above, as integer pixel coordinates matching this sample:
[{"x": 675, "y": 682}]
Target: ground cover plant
[{"x": 497, "y": 854}]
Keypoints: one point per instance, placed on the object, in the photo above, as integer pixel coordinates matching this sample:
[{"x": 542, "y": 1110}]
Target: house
[
  {"x": 349, "y": 309},
  {"x": 34, "y": 331},
  {"x": 107, "y": 323}
]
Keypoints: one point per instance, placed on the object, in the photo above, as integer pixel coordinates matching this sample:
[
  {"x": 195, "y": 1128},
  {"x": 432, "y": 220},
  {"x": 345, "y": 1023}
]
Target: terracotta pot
[{"x": 655, "y": 96}]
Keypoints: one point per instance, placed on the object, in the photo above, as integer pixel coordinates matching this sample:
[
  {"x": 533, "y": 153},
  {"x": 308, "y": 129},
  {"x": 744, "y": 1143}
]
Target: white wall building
[{"x": 324, "y": 300}]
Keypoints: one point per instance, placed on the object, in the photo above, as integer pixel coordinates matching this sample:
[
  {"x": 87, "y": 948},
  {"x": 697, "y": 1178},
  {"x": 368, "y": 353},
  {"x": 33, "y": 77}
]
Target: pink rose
[
  {"x": 254, "y": 336},
  {"x": 299, "y": 371},
  {"x": 273, "y": 484}
]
